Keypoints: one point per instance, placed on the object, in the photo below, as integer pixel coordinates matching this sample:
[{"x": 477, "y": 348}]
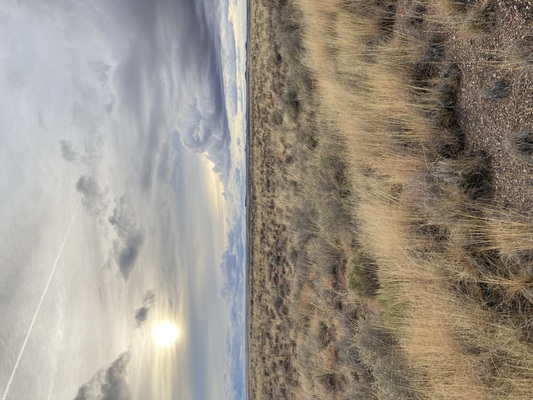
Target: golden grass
[
  {"x": 381, "y": 265},
  {"x": 453, "y": 267}
]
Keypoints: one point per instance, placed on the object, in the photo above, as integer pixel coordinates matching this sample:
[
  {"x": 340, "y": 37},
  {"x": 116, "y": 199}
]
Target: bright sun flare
[{"x": 165, "y": 334}]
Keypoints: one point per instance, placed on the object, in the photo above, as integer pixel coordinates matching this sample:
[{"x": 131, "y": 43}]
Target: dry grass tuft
[{"x": 522, "y": 51}]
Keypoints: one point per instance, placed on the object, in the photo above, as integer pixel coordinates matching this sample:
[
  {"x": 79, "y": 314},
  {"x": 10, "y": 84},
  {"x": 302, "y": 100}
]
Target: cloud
[
  {"x": 93, "y": 196},
  {"x": 141, "y": 314},
  {"x": 67, "y": 151},
  {"x": 125, "y": 76},
  {"x": 130, "y": 237},
  {"x": 204, "y": 128},
  {"x": 108, "y": 384}
]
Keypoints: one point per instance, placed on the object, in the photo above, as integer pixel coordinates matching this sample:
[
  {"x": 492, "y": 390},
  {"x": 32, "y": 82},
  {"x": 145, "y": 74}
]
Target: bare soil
[{"x": 491, "y": 124}]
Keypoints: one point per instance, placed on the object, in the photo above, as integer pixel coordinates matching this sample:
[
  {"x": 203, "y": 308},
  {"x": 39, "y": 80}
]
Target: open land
[{"x": 390, "y": 158}]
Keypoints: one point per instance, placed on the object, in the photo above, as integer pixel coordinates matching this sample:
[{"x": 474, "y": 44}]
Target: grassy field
[{"x": 391, "y": 234}]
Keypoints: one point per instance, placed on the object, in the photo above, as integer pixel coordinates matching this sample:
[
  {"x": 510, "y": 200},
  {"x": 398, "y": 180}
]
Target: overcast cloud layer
[{"x": 132, "y": 113}]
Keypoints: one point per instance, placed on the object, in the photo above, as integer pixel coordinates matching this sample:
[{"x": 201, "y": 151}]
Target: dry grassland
[{"x": 391, "y": 230}]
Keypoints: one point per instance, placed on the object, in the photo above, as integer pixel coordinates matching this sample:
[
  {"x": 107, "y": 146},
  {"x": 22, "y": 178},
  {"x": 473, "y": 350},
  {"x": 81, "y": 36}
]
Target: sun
[{"x": 165, "y": 334}]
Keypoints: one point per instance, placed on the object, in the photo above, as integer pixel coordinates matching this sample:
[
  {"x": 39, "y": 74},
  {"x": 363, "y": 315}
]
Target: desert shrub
[
  {"x": 427, "y": 67},
  {"x": 324, "y": 255},
  {"x": 522, "y": 144},
  {"x": 522, "y": 51},
  {"x": 303, "y": 223},
  {"x": 442, "y": 111},
  {"x": 478, "y": 179},
  {"x": 387, "y": 20},
  {"x": 380, "y": 351},
  {"x": 276, "y": 118},
  {"x": 416, "y": 19},
  {"x": 483, "y": 17},
  {"x": 361, "y": 275},
  {"x": 470, "y": 17},
  {"x": 498, "y": 90}
]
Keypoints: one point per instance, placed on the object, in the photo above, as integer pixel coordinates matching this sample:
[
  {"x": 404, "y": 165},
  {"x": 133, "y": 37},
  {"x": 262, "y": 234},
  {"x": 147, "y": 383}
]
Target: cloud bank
[{"x": 137, "y": 107}]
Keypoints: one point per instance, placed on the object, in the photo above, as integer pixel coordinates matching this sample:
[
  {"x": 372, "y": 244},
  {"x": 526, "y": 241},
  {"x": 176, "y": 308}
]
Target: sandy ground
[{"x": 491, "y": 124}]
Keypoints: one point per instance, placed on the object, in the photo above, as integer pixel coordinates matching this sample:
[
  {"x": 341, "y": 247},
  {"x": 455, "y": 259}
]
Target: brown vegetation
[{"x": 388, "y": 258}]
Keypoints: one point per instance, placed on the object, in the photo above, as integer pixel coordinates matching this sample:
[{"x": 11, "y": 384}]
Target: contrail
[{"x": 4, "y": 397}]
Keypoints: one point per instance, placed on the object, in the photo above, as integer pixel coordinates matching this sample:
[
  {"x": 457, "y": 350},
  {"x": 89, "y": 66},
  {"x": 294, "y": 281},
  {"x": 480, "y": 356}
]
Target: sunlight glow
[{"x": 165, "y": 334}]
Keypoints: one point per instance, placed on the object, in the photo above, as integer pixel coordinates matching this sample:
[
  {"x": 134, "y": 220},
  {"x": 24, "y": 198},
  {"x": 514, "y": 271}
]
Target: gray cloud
[
  {"x": 149, "y": 298},
  {"x": 93, "y": 196},
  {"x": 141, "y": 314},
  {"x": 192, "y": 75},
  {"x": 130, "y": 237},
  {"x": 108, "y": 384},
  {"x": 67, "y": 151}
]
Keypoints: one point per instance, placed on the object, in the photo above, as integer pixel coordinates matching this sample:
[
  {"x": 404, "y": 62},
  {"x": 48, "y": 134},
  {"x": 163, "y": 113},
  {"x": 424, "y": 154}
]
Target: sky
[{"x": 122, "y": 178}]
